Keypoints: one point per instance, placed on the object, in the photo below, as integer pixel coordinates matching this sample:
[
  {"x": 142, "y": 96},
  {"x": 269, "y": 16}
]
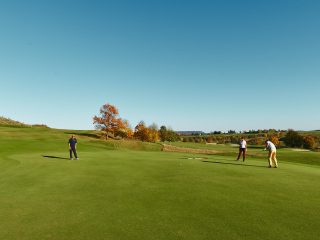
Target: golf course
[{"x": 126, "y": 189}]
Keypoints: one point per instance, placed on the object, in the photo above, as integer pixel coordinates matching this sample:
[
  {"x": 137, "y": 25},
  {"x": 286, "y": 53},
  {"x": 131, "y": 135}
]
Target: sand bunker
[{"x": 300, "y": 150}]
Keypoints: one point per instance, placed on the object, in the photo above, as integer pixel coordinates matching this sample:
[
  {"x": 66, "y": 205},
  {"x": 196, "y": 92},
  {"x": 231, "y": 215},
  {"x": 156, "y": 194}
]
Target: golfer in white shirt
[{"x": 272, "y": 154}]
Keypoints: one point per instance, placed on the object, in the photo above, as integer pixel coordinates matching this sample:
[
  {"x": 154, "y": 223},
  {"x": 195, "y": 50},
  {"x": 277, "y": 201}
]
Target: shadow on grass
[
  {"x": 237, "y": 164},
  {"x": 54, "y": 157}
]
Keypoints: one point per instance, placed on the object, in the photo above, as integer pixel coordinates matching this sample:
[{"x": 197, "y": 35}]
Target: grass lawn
[{"x": 132, "y": 190}]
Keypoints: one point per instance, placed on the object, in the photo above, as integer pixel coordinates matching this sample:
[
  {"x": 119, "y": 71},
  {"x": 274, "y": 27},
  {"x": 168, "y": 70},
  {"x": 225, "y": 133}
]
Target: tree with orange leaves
[
  {"x": 141, "y": 132},
  {"x": 275, "y": 140},
  {"x": 108, "y": 121},
  {"x": 146, "y": 134}
]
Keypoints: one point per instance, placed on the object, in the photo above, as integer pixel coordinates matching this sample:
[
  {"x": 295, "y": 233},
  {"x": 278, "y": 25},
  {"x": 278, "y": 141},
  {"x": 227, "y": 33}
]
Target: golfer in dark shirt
[{"x": 73, "y": 147}]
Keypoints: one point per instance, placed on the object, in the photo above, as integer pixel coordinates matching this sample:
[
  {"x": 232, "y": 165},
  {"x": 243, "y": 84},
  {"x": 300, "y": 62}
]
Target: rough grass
[
  {"x": 132, "y": 190},
  {"x": 9, "y": 122}
]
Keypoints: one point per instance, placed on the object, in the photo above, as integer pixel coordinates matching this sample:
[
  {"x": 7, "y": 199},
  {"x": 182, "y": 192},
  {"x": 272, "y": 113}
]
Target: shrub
[
  {"x": 209, "y": 139},
  {"x": 234, "y": 139},
  {"x": 220, "y": 140},
  {"x": 120, "y": 133},
  {"x": 293, "y": 139},
  {"x": 309, "y": 142},
  {"x": 169, "y": 135},
  {"x": 257, "y": 140}
]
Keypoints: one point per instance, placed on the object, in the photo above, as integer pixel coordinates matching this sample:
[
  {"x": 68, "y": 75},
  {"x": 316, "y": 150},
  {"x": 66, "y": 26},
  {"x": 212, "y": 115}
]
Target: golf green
[{"x": 132, "y": 190}]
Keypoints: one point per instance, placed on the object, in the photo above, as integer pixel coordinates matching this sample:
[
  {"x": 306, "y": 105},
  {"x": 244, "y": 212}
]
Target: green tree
[
  {"x": 293, "y": 139},
  {"x": 167, "y": 134},
  {"x": 163, "y": 133}
]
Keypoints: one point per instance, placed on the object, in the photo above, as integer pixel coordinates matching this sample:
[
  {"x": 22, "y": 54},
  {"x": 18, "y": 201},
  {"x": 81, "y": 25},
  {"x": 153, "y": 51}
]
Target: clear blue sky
[{"x": 190, "y": 65}]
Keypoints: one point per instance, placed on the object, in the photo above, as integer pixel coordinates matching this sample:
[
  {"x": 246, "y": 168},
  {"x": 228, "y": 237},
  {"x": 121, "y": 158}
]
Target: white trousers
[{"x": 273, "y": 158}]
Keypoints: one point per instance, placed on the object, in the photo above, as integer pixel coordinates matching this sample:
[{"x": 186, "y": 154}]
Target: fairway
[{"x": 133, "y": 190}]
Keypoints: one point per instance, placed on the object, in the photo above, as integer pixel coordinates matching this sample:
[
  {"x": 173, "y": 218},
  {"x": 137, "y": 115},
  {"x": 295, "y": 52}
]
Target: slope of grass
[
  {"x": 130, "y": 190},
  {"x": 9, "y": 122}
]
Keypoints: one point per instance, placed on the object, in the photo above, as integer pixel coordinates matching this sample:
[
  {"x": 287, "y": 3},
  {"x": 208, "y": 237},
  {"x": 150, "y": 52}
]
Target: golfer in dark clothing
[
  {"x": 73, "y": 147},
  {"x": 242, "y": 149}
]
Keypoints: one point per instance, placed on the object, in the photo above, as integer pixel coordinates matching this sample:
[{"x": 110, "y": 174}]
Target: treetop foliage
[{"x": 109, "y": 121}]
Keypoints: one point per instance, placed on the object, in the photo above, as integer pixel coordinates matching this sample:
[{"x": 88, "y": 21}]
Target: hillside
[{"x": 8, "y": 122}]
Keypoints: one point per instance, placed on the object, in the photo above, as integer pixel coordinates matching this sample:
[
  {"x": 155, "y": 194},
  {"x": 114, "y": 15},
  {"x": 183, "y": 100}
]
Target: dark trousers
[
  {"x": 74, "y": 151},
  {"x": 243, "y": 151}
]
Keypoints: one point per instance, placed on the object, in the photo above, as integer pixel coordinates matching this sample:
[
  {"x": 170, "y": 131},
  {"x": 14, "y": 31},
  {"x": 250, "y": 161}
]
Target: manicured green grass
[
  {"x": 298, "y": 156},
  {"x": 132, "y": 190}
]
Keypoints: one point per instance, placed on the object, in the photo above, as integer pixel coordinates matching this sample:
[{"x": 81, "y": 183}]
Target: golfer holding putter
[
  {"x": 272, "y": 153},
  {"x": 73, "y": 147},
  {"x": 242, "y": 149}
]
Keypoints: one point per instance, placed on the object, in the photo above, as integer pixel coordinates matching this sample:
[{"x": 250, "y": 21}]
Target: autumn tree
[
  {"x": 141, "y": 132},
  {"x": 309, "y": 142},
  {"x": 274, "y": 139},
  {"x": 109, "y": 120},
  {"x": 153, "y": 134},
  {"x": 125, "y": 132},
  {"x": 146, "y": 134}
]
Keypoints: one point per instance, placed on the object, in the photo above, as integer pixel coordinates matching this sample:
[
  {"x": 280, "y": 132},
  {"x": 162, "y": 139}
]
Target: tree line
[
  {"x": 289, "y": 138},
  {"x": 110, "y": 124}
]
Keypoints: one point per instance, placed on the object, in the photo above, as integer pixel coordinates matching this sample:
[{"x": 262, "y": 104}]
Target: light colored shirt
[
  {"x": 243, "y": 144},
  {"x": 271, "y": 146}
]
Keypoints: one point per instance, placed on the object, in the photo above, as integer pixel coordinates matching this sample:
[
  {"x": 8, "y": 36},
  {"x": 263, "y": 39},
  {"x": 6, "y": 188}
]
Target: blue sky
[{"x": 190, "y": 65}]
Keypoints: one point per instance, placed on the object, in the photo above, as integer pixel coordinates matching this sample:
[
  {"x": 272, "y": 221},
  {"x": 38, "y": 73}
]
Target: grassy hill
[
  {"x": 9, "y": 122},
  {"x": 133, "y": 190}
]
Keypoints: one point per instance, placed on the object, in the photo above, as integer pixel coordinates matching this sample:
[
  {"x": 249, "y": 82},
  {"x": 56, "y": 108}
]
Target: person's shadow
[
  {"x": 54, "y": 157},
  {"x": 230, "y": 163}
]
